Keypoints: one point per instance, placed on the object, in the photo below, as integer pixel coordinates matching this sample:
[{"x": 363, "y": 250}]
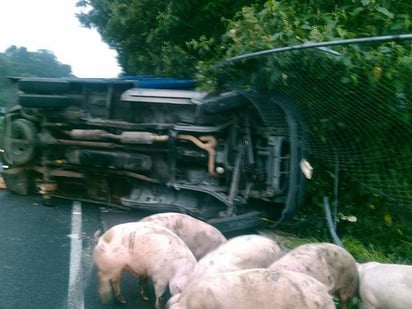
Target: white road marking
[{"x": 75, "y": 292}]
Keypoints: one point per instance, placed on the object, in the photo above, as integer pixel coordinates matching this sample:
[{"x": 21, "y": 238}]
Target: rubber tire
[
  {"x": 43, "y": 86},
  {"x": 31, "y": 114},
  {"x": 43, "y": 101},
  {"x": 19, "y": 145}
]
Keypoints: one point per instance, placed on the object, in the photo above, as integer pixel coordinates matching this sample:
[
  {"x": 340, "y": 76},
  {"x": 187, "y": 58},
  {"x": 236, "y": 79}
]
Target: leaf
[
  {"x": 388, "y": 220},
  {"x": 384, "y": 11},
  {"x": 365, "y": 2}
]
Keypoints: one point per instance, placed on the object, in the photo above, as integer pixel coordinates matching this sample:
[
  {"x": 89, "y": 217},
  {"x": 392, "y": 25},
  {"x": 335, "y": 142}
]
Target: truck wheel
[
  {"x": 31, "y": 114},
  {"x": 19, "y": 142},
  {"x": 44, "y": 86},
  {"x": 43, "y": 100}
]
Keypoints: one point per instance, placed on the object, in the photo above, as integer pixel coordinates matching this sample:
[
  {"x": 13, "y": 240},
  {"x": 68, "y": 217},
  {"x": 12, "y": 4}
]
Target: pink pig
[
  {"x": 255, "y": 288},
  {"x": 240, "y": 252},
  {"x": 330, "y": 264},
  {"x": 146, "y": 250},
  {"x": 198, "y": 235},
  {"x": 385, "y": 286}
]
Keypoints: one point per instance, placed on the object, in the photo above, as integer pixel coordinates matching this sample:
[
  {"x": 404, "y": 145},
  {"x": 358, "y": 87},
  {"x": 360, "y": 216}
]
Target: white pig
[
  {"x": 330, "y": 264},
  {"x": 240, "y": 252},
  {"x": 144, "y": 249},
  {"x": 198, "y": 235},
  {"x": 385, "y": 286},
  {"x": 255, "y": 288},
  {"x": 237, "y": 253}
]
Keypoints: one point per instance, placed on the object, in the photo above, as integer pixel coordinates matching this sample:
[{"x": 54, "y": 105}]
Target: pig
[
  {"x": 146, "y": 250},
  {"x": 385, "y": 286},
  {"x": 255, "y": 288},
  {"x": 240, "y": 252},
  {"x": 198, "y": 235},
  {"x": 330, "y": 264}
]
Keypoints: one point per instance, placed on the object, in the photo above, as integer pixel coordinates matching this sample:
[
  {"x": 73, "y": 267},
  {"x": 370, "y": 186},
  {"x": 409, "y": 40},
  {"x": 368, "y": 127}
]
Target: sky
[{"x": 52, "y": 25}]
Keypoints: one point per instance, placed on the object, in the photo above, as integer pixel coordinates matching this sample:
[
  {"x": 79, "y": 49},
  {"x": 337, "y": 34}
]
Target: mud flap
[
  {"x": 2, "y": 183},
  {"x": 18, "y": 180}
]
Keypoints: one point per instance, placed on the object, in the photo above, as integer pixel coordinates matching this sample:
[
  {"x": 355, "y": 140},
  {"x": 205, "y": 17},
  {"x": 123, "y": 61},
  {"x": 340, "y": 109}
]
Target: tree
[
  {"x": 172, "y": 37},
  {"x": 42, "y": 63},
  {"x": 160, "y": 37}
]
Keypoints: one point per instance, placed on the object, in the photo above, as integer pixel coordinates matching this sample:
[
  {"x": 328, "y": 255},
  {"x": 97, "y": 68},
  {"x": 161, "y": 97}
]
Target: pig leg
[
  {"x": 143, "y": 287},
  {"x": 159, "y": 288},
  {"x": 116, "y": 287},
  {"x": 105, "y": 289}
]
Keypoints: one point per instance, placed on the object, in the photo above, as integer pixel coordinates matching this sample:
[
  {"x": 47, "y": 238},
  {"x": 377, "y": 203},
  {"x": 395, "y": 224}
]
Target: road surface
[{"x": 46, "y": 254}]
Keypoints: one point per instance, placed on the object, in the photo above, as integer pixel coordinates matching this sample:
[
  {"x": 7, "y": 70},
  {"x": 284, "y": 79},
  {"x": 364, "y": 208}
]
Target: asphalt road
[{"x": 46, "y": 254}]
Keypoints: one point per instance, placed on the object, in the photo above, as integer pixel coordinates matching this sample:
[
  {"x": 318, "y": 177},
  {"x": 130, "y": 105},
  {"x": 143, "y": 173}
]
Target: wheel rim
[{"x": 19, "y": 142}]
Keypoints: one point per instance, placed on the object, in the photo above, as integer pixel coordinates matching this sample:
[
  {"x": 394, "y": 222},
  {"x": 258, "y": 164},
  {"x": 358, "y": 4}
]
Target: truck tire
[
  {"x": 19, "y": 142},
  {"x": 44, "y": 86},
  {"x": 43, "y": 101}
]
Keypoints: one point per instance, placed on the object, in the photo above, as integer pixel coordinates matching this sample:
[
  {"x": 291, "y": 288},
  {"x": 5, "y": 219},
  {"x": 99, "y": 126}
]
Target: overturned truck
[{"x": 155, "y": 145}]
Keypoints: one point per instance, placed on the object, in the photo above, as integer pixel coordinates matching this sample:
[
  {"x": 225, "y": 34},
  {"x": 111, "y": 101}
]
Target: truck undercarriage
[{"x": 223, "y": 156}]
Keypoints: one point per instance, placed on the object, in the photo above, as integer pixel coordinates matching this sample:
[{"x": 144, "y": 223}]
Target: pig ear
[
  {"x": 178, "y": 286},
  {"x": 171, "y": 303},
  {"x": 97, "y": 235}
]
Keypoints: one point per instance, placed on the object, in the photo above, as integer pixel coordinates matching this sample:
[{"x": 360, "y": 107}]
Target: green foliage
[
  {"x": 288, "y": 23},
  {"x": 43, "y": 63},
  {"x": 364, "y": 243},
  {"x": 385, "y": 232},
  {"x": 287, "y": 241},
  {"x": 379, "y": 232},
  {"x": 160, "y": 37}
]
